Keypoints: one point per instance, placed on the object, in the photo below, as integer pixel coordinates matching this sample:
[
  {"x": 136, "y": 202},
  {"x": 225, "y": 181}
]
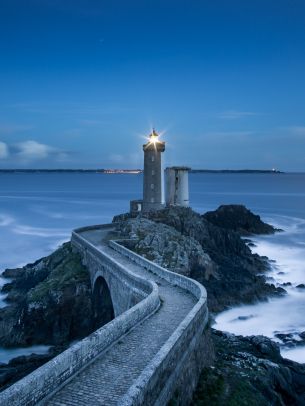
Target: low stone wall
[
  {"x": 175, "y": 370},
  {"x": 173, "y": 278},
  {"x": 49, "y": 377}
]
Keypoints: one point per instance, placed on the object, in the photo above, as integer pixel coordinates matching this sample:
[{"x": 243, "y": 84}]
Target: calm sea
[{"x": 38, "y": 212}]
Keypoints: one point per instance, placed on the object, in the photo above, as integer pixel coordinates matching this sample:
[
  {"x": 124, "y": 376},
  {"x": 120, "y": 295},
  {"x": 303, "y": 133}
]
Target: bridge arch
[
  {"x": 102, "y": 302},
  {"x": 172, "y": 365}
]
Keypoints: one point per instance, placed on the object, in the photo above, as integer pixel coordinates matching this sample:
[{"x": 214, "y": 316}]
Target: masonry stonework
[
  {"x": 152, "y": 177},
  {"x": 150, "y": 353}
]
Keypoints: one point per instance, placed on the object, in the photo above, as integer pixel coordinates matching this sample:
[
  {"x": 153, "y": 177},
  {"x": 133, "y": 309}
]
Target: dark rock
[
  {"x": 19, "y": 367},
  {"x": 238, "y": 218},
  {"x": 287, "y": 338},
  {"x": 244, "y": 318},
  {"x": 301, "y": 286},
  {"x": 167, "y": 247},
  {"x": 50, "y": 302},
  {"x": 250, "y": 371},
  {"x": 239, "y": 276}
]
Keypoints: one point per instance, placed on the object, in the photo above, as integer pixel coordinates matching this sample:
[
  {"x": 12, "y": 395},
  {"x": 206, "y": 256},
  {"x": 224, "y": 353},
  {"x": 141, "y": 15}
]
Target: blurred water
[
  {"x": 39, "y": 210},
  {"x": 7, "y": 354}
]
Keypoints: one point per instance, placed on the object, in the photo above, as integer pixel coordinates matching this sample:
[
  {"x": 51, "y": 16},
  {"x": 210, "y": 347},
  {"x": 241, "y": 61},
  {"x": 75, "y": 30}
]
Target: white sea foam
[
  {"x": 290, "y": 224},
  {"x": 277, "y": 315},
  {"x": 290, "y": 260},
  {"x": 70, "y": 201},
  {"x": 57, "y": 244},
  {"x": 2, "y": 301},
  {"x": 295, "y": 354},
  {"x": 283, "y": 315}
]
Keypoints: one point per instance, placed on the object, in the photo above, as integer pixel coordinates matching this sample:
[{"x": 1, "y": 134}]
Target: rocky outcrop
[
  {"x": 238, "y": 218},
  {"x": 250, "y": 371},
  {"x": 236, "y": 275},
  {"x": 49, "y": 302},
  {"x": 167, "y": 247},
  {"x": 21, "y": 366}
]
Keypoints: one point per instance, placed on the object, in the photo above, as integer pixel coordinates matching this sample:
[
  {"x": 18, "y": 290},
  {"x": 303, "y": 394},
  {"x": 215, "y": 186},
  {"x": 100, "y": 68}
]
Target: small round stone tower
[
  {"x": 177, "y": 186},
  {"x": 152, "y": 178}
]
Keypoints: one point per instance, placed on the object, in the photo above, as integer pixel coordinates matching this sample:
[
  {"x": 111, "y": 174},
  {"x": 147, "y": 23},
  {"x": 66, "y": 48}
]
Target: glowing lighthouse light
[{"x": 154, "y": 137}]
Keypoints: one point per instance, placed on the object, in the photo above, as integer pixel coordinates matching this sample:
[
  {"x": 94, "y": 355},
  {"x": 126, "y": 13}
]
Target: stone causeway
[{"x": 151, "y": 352}]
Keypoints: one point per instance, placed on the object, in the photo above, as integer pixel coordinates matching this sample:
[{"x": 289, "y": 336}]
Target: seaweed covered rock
[
  {"x": 250, "y": 371},
  {"x": 49, "y": 302}
]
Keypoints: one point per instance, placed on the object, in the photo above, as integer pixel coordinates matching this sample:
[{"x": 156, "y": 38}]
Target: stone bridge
[{"x": 151, "y": 350}]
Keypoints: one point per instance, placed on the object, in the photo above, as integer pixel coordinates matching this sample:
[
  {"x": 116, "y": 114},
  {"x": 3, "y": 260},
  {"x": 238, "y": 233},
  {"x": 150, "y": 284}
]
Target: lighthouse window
[
  {"x": 153, "y": 172},
  {"x": 152, "y": 158},
  {"x": 152, "y": 186}
]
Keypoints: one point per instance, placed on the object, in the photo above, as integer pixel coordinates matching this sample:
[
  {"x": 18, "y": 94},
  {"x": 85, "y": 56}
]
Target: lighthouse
[
  {"x": 152, "y": 178},
  {"x": 177, "y": 190}
]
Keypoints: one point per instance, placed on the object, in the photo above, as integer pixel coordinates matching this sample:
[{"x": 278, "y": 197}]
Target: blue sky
[{"x": 81, "y": 82}]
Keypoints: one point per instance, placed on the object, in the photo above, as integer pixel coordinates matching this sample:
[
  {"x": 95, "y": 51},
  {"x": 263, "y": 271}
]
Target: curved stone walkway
[{"x": 111, "y": 374}]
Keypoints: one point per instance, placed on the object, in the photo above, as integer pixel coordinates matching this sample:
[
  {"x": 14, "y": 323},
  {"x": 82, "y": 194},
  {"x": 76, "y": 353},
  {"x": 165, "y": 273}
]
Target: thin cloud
[
  {"x": 234, "y": 114},
  {"x": 134, "y": 159},
  {"x": 7, "y": 129},
  {"x": 227, "y": 134},
  {"x": 74, "y": 132},
  {"x": 32, "y": 151},
  {"x": 117, "y": 158},
  {"x": 4, "y": 153},
  {"x": 297, "y": 130},
  {"x": 90, "y": 123},
  {"x": 80, "y": 109}
]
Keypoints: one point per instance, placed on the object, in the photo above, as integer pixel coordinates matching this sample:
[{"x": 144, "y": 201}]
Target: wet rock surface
[
  {"x": 250, "y": 371},
  {"x": 235, "y": 275},
  {"x": 247, "y": 370},
  {"x": 291, "y": 340},
  {"x": 167, "y": 247},
  {"x": 238, "y": 218},
  {"x": 49, "y": 302}
]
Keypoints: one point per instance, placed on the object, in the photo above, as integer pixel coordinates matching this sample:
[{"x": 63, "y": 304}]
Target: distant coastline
[
  {"x": 135, "y": 171},
  {"x": 235, "y": 171},
  {"x": 107, "y": 171}
]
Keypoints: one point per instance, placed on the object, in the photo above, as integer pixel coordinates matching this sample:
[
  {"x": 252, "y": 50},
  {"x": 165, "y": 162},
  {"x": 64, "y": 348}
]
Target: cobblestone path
[{"x": 110, "y": 375}]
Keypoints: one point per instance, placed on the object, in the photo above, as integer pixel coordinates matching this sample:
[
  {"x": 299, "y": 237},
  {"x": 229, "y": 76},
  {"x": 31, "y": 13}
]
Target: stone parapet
[
  {"x": 175, "y": 370},
  {"x": 48, "y": 378}
]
